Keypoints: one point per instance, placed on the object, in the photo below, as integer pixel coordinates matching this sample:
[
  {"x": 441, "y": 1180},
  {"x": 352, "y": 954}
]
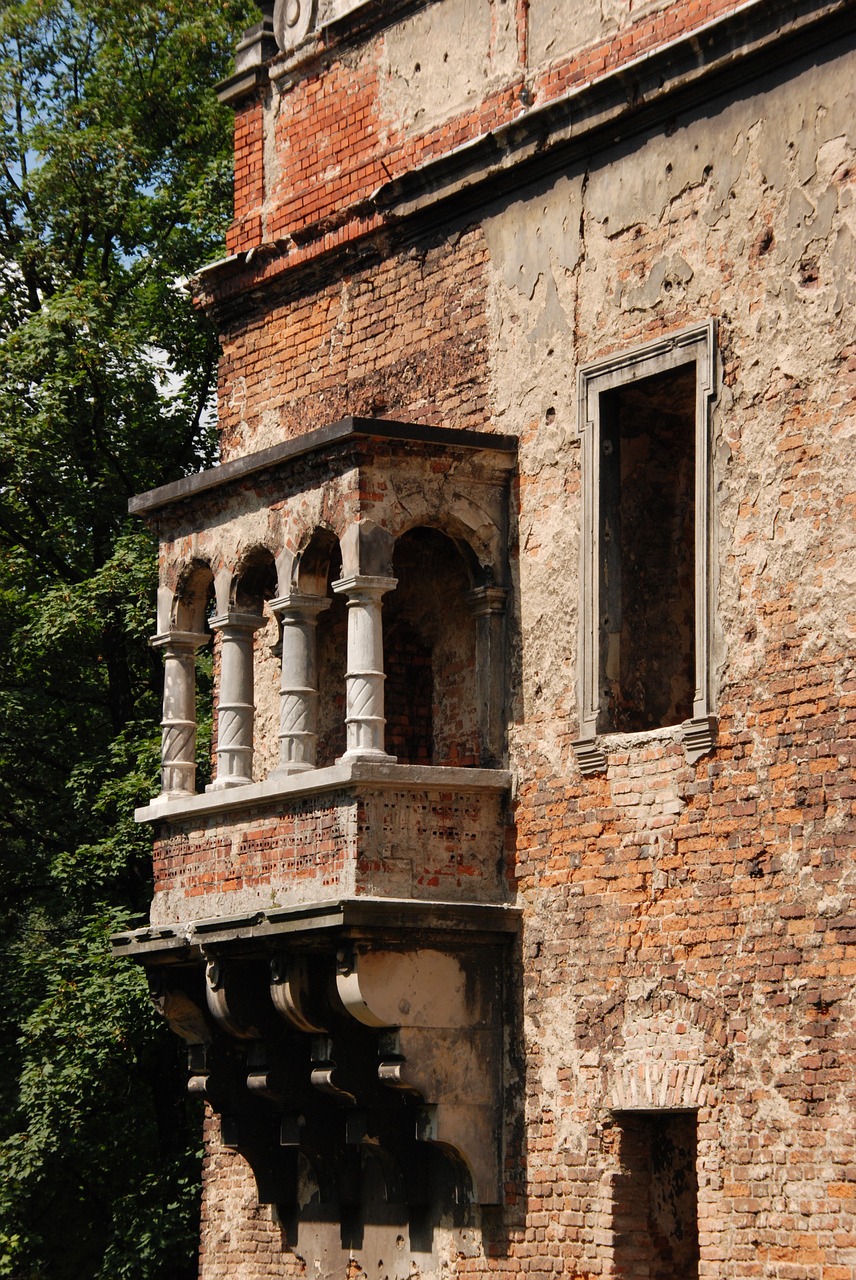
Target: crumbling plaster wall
[
  {"x": 674, "y": 913},
  {"x": 557, "y": 29},
  {"x": 748, "y": 216},
  {"x": 446, "y": 59}
]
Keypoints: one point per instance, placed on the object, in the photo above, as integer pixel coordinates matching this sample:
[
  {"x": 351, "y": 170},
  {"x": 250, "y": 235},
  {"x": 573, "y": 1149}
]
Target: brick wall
[
  {"x": 689, "y": 935},
  {"x": 336, "y": 139},
  {"x": 401, "y": 338}
]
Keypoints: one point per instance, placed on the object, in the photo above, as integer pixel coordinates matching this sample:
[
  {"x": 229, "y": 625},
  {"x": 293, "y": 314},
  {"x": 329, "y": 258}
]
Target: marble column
[
  {"x": 364, "y": 678},
  {"x": 178, "y": 743},
  {"x": 298, "y": 705},
  {"x": 235, "y": 705}
]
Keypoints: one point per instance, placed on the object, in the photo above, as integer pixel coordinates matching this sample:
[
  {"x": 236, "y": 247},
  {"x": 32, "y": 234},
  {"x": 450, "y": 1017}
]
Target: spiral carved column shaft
[
  {"x": 235, "y": 706},
  {"x": 298, "y": 707},
  {"x": 365, "y": 677},
  {"x": 178, "y": 743}
]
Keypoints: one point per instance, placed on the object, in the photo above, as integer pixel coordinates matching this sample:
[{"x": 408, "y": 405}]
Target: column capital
[
  {"x": 367, "y": 585},
  {"x": 187, "y": 640},
  {"x": 237, "y": 620},
  {"x": 484, "y": 601},
  {"x": 300, "y": 604}
]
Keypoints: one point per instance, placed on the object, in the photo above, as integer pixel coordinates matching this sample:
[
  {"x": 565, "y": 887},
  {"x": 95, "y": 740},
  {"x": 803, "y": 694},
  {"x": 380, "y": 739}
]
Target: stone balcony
[
  {"x": 332, "y": 948},
  {"x": 357, "y": 829},
  {"x": 331, "y": 921}
]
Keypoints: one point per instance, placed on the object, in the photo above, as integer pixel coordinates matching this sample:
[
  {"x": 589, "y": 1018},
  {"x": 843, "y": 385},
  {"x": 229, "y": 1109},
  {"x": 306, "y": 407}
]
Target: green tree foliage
[{"x": 115, "y": 180}]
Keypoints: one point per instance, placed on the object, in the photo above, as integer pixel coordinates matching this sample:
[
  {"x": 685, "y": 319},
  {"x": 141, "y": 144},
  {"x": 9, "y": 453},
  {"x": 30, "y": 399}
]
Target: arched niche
[
  {"x": 194, "y": 596},
  {"x": 254, "y": 584},
  {"x": 316, "y": 567},
  {"x": 430, "y": 658},
  {"x": 314, "y": 564}
]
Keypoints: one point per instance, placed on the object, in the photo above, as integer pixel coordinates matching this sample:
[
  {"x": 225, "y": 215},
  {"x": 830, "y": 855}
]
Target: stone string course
[{"x": 335, "y": 144}]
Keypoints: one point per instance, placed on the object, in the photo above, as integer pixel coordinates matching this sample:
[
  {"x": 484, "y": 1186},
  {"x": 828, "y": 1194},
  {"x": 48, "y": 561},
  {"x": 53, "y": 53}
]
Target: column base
[
  {"x": 178, "y": 794},
  {"x": 366, "y": 753},
  {"x": 223, "y": 784},
  {"x": 286, "y": 770}
]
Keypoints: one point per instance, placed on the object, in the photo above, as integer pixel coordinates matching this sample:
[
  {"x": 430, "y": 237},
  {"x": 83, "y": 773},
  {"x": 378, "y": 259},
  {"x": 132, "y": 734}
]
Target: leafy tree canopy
[{"x": 115, "y": 180}]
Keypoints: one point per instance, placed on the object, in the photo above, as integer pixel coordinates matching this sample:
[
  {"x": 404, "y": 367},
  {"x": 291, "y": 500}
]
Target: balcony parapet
[{"x": 356, "y": 829}]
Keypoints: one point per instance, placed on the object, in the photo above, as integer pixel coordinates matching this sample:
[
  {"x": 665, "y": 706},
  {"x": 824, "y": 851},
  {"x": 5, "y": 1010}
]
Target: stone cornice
[
  {"x": 476, "y": 918},
  {"x": 628, "y": 98},
  {"x": 631, "y": 96},
  {"x": 325, "y": 439}
]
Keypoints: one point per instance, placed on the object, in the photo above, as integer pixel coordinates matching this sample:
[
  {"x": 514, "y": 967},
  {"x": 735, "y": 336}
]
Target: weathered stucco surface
[
  {"x": 688, "y": 927},
  {"x": 658, "y": 240},
  {"x": 557, "y": 29},
  {"x": 444, "y": 60}
]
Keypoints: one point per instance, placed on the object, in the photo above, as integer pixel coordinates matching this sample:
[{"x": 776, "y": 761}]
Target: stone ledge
[
  {"x": 324, "y": 439},
  {"x": 298, "y": 786},
  {"x": 698, "y": 738},
  {"x": 174, "y": 940}
]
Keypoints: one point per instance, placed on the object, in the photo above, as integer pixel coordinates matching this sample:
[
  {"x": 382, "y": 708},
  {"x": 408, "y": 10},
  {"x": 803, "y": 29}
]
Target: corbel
[
  {"x": 591, "y": 757},
  {"x": 292, "y": 995},
  {"x": 184, "y": 1017},
  {"x": 699, "y": 737},
  {"x": 229, "y": 997},
  {"x": 323, "y": 1074},
  {"x": 443, "y": 1044}
]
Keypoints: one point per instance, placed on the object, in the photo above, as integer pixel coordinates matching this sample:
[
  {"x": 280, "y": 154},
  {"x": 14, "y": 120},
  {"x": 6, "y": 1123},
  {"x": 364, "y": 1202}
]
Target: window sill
[{"x": 698, "y": 737}]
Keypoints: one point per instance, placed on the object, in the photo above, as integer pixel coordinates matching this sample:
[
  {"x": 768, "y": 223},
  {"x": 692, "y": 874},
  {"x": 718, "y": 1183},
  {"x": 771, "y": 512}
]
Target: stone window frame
[{"x": 694, "y": 345}]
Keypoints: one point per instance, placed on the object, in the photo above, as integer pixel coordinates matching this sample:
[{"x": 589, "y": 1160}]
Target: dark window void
[
  {"x": 655, "y": 1210},
  {"x": 429, "y": 644},
  {"x": 647, "y": 544},
  {"x": 409, "y": 694},
  {"x": 332, "y": 641}
]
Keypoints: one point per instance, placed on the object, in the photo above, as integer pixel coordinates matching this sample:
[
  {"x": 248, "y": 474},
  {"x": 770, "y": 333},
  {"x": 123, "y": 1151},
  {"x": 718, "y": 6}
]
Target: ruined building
[{"x": 515, "y": 932}]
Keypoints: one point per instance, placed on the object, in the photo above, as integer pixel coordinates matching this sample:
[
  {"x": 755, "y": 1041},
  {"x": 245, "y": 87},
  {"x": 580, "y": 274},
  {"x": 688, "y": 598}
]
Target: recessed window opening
[
  {"x": 645, "y": 544},
  {"x": 646, "y": 646},
  {"x": 655, "y": 1206},
  {"x": 429, "y": 640}
]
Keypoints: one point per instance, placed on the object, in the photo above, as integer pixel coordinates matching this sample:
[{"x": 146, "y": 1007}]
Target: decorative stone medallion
[{"x": 292, "y": 22}]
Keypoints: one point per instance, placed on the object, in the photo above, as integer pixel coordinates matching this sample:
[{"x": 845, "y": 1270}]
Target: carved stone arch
[
  {"x": 478, "y": 573},
  {"x": 254, "y": 580},
  {"x": 665, "y": 1051},
  {"x": 194, "y": 594},
  {"x": 484, "y": 531},
  {"x": 318, "y": 557}
]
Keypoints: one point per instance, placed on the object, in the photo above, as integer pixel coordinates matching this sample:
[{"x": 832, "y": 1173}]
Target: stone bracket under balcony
[
  {"x": 347, "y": 1046},
  {"x": 358, "y": 828}
]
